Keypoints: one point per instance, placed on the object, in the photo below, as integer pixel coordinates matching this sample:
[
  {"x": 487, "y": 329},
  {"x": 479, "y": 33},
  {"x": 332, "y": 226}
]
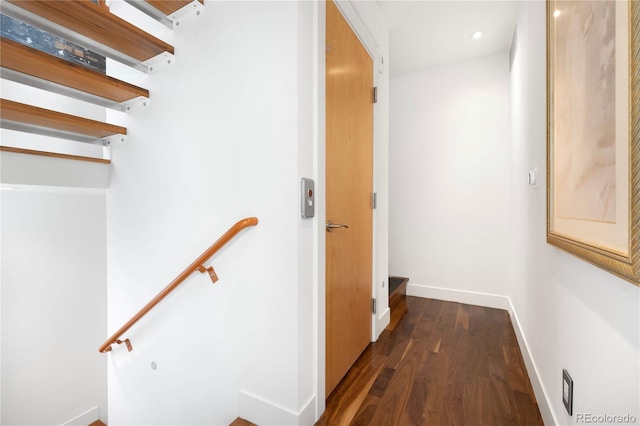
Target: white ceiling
[{"x": 427, "y": 33}]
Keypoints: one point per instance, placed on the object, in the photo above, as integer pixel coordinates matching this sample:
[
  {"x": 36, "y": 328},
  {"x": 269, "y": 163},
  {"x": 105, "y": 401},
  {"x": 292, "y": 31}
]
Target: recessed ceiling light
[
  {"x": 476, "y": 34},
  {"x": 556, "y": 13}
]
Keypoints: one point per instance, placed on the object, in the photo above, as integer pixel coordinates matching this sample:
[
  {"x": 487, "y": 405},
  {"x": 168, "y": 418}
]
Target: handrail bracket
[
  {"x": 126, "y": 342},
  {"x": 211, "y": 271}
]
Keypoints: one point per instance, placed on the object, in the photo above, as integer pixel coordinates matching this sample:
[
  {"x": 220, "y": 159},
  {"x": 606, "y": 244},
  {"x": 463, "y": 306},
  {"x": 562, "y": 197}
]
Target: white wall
[
  {"x": 449, "y": 176},
  {"x": 231, "y": 129},
  {"x": 219, "y": 143},
  {"x": 53, "y": 309},
  {"x": 573, "y": 315}
]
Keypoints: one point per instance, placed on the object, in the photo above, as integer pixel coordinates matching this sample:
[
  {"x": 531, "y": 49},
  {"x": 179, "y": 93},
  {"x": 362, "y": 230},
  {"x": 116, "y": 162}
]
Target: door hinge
[
  {"x": 374, "y": 201},
  {"x": 373, "y": 306},
  {"x": 375, "y": 95}
]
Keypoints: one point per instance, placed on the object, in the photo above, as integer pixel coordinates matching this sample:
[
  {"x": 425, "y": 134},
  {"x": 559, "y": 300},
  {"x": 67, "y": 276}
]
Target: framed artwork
[{"x": 593, "y": 132}]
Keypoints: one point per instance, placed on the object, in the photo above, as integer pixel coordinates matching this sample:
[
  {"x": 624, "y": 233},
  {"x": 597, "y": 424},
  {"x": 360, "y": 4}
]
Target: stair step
[
  {"x": 397, "y": 299},
  {"x": 397, "y": 288},
  {"x": 53, "y": 154},
  {"x": 31, "y": 119},
  {"x": 39, "y": 69},
  {"x": 169, "y": 6},
  {"x": 171, "y": 13},
  {"x": 93, "y": 27}
]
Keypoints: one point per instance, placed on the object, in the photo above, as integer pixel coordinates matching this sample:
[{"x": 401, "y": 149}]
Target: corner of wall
[
  {"x": 85, "y": 418},
  {"x": 261, "y": 411}
]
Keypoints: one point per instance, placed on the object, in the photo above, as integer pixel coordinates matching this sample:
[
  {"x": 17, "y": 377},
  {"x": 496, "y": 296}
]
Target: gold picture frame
[{"x": 593, "y": 132}]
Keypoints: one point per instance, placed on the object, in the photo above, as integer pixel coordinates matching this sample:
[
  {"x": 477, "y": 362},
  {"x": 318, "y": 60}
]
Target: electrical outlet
[{"x": 567, "y": 392}]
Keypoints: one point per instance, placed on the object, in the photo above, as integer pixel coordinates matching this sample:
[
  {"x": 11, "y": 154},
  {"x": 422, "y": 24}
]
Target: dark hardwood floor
[{"x": 442, "y": 363}]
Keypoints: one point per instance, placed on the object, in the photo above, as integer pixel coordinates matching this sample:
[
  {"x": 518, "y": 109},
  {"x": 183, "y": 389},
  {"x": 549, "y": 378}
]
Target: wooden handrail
[{"x": 197, "y": 265}]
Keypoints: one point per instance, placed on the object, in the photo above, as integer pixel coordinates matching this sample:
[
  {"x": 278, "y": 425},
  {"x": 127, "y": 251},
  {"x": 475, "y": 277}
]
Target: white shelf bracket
[
  {"x": 159, "y": 62},
  {"x": 108, "y": 142},
  {"x": 186, "y": 14},
  {"x": 106, "y": 152},
  {"x": 135, "y": 104}
]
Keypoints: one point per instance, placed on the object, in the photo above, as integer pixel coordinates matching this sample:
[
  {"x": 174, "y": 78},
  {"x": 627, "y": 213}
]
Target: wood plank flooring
[{"x": 442, "y": 363}]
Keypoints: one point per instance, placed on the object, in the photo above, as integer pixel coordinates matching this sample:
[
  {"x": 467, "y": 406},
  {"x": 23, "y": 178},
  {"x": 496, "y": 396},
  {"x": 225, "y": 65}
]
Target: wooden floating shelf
[
  {"x": 31, "y": 119},
  {"x": 30, "y": 66},
  {"x": 95, "y": 23}
]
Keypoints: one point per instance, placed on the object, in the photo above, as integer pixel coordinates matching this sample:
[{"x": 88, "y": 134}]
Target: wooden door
[{"x": 349, "y": 174}]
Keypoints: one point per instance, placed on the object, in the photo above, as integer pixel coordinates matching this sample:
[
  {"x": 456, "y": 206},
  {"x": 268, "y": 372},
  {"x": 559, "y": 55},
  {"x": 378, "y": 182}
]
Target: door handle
[{"x": 331, "y": 225}]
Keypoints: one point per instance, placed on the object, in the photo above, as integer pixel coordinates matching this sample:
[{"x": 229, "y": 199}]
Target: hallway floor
[{"x": 442, "y": 363}]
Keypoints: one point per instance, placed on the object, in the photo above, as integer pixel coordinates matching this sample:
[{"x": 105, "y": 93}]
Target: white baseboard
[
  {"x": 538, "y": 388},
  {"x": 498, "y": 302},
  {"x": 85, "y": 418},
  {"x": 460, "y": 296},
  {"x": 260, "y": 411},
  {"x": 381, "y": 323},
  {"x": 307, "y": 415}
]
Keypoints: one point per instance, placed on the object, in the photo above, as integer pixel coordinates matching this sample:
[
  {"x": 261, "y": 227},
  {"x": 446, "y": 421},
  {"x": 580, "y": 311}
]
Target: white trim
[
  {"x": 51, "y": 189},
  {"x": 261, "y": 411},
  {"x": 360, "y": 30},
  {"x": 20, "y": 170},
  {"x": 85, "y": 418},
  {"x": 307, "y": 413},
  {"x": 320, "y": 164},
  {"x": 460, "y": 296},
  {"x": 383, "y": 320},
  {"x": 498, "y": 302},
  {"x": 542, "y": 397}
]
